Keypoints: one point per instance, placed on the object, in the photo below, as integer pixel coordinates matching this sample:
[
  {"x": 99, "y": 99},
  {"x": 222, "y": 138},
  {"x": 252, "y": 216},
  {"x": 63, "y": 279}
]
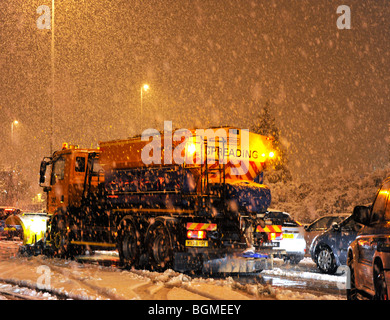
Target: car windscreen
[
  {"x": 326, "y": 222},
  {"x": 281, "y": 218}
]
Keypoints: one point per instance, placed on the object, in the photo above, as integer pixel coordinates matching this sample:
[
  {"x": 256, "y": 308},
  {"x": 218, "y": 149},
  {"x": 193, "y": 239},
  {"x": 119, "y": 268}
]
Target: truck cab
[{"x": 63, "y": 176}]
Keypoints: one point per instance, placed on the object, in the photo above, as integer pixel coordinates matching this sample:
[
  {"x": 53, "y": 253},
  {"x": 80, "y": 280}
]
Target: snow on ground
[
  {"x": 339, "y": 278},
  {"x": 76, "y": 280},
  {"x": 34, "y": 294}
]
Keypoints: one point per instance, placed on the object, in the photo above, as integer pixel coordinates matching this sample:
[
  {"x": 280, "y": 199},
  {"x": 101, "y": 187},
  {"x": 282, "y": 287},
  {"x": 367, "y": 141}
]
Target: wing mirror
[
  {"x": 42, "y": 172},
  {"x": 336, "y": 227},
  {"x": 361, "y": 214}
]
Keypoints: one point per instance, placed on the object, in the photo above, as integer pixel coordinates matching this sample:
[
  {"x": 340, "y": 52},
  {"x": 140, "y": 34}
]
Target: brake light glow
[
  {"x": 196, "y": 234},
  {"x": 275, "y": 236}
]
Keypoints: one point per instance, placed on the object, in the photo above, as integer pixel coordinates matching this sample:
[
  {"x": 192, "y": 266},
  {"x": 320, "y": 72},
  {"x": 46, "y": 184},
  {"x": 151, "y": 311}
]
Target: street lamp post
[
  {"x": 145, "y": 88},
  {"x": 52, "y": 78},
  {"x": 46, "y": 21}
]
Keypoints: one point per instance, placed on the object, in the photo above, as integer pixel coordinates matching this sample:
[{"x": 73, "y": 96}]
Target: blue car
[
  {"x": 329, "y": 249},
  {"x": 10, "y": 231}
]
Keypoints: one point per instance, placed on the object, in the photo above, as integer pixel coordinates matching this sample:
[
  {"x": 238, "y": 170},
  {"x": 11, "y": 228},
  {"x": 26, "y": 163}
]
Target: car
[
  {"x": 329, "y": 249},
  {"x": 320, "y": 225},
  {"x": 291, "y": 239},
  {"x": 7, "y": 211},
  {"x": 2, "y": 226},
  {"x": 10, "y": 231},
  {"x": 369, "y": 254}
]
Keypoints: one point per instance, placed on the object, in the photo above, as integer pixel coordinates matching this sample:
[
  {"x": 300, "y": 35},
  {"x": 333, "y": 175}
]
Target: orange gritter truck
[{"x": 185, "y": 200}]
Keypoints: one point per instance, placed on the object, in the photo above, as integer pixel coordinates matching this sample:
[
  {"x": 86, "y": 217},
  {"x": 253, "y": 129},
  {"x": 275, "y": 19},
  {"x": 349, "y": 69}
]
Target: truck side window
[
  {"x": 79, "y": 164},
  {"x": 378, "y": 209},
  {"x": 58, "y": 172}
]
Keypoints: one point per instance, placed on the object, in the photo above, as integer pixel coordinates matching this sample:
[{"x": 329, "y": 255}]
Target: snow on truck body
[{"x": 178, "y": 210}]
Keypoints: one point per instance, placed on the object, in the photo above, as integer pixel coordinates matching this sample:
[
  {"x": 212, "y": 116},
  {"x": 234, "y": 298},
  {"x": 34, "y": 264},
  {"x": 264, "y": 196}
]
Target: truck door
[
  {"x": 77, "y": 178},
  {"x": 58, "y": 192}
]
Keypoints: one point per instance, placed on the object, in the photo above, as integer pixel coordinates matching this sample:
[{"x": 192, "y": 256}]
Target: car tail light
[
  {"x": 196, "y": 234},
  {"x": 275, "y": 236}
]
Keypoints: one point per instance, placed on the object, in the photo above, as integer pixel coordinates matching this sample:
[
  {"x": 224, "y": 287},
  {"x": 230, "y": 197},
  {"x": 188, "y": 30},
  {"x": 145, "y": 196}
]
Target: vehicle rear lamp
[
  {"x": 196, "y": 234},
  {"x": 275, "y": 236}
]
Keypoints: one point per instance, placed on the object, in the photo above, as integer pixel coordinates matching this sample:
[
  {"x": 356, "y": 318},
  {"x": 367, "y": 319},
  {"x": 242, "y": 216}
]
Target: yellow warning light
[
  {"x": 191, "y": 148},
  {"x": 65, "y": 146}
]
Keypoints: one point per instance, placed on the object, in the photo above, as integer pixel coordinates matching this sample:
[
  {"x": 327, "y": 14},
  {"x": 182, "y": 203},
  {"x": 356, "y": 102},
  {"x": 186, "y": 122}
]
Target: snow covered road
[{"x": 100, "y": 278}]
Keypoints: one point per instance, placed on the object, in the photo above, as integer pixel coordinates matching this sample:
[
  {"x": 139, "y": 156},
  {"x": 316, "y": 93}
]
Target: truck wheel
[
  {"x": 160, "y": 248},
  {"x": 128, "y": 246},
  {"x": 59, "y": 237}
]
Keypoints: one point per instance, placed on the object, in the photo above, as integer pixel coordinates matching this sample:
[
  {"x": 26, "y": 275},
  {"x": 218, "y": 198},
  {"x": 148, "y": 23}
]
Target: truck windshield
[
  {"x": 97, "y": 168},
  {"x": 58, "y": 171}
]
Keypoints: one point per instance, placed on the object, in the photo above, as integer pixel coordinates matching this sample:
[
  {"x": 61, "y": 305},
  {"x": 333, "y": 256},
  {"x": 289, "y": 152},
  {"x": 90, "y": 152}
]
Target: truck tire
[
  {"x": 159, "y": 243},
  {"x": 59, "y": 237},
  {"x": 128, "y": 245}
]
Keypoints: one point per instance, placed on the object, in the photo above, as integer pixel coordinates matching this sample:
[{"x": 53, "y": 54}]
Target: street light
[
  {"x": 145, "y": 88},
  {"x": 14, "y": 123}
]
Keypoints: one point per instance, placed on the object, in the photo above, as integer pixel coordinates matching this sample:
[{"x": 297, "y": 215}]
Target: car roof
[
  {"x": 277, "y": 211},
  {"x": 335, "y": 215},
  {"x": 341, "y": 214}
]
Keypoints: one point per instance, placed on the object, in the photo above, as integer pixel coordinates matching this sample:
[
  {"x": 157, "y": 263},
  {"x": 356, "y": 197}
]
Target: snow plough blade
[
  {"x": 34, "y": 227},
  {"x": 239, "y": 263}
]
